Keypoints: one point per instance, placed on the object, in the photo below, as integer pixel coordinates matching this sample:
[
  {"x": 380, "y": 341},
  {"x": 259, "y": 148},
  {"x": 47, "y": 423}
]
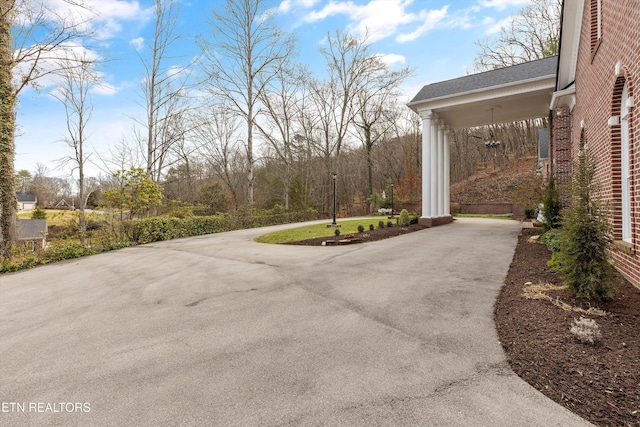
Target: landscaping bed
[
  {"x": 600, "y": 382},
  {"x": 365, "y": 236}
]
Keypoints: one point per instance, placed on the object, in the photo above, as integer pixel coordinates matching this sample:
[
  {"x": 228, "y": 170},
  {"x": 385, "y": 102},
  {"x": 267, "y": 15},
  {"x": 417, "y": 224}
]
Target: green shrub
[
  {"x": 38, "y": 214},
  {"x": 179, "y": 209},
  {"x": 336, "y": 232},
  {"x": 551, "y": 239},
  {"x": 403, "y": 219},
  {"x": 583, "y": 261},
  {"x": 454, "y": 208},
  {"x": 65, "y": 250},
  {"x": 147, "y": 230},
  {"x": 551, "y": 206},
  {"x": 414, "y": 219},
  {"x": 16, "y": 264},
  {"x": 389, "y": 223},
  {"x": 380, "y": 224},
  {"x": 110, "y": 246},
  {"x": 361, "y": 229},
  {"x": 371, "y": 227}
]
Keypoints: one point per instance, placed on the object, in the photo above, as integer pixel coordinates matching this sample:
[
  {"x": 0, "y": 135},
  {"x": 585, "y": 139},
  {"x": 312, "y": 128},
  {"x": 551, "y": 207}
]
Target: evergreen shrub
[
  {"x": 583, "y": 261},
  {"x": 404, "y": 220}
]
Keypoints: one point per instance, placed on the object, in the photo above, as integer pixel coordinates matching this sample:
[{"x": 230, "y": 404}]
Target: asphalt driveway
[{"x": 220, "y": 330}]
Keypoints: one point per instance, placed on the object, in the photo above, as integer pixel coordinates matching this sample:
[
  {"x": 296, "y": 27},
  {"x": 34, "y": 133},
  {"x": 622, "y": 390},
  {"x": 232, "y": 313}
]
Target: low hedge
[{"x": 147, "y": 230}]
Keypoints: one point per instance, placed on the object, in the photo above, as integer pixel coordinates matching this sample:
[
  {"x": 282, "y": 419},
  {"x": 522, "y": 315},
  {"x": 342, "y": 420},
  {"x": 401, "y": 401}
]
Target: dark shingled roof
[
  {"x": 23, "y": 197},
  {"x": 515, "y": 73},
  {"x": 32, "y": 229}
]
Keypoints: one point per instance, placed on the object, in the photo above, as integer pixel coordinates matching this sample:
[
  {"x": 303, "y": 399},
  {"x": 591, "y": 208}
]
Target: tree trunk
[
  {"x": 250, "y": 157},
  {"x": 8, "y": 201}
]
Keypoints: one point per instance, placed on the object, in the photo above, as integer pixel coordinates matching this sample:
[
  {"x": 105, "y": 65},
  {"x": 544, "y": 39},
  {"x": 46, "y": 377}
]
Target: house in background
[
  {"x": 33, "y": 233},
  {"x": 63, "y": 204},
  {"x": 26, "y": 202},
  {"x": 594, "y": 106}
]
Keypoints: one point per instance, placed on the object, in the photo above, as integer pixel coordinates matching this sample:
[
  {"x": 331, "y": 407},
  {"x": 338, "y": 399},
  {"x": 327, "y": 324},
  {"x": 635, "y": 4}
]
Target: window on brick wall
[
  {"x": 625, "y": 169},
  {"x": 596, "y": 25}
]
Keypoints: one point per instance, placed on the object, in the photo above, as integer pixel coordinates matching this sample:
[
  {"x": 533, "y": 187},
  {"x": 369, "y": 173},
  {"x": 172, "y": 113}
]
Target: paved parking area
[{"x": 220, "y": 330}]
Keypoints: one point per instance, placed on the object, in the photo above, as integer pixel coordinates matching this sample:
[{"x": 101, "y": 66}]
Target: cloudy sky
[{"x": 435, "y": 37}]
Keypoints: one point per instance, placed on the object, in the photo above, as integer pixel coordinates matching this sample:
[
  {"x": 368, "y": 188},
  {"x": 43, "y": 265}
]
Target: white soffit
[{"x": 519, "y": 101}]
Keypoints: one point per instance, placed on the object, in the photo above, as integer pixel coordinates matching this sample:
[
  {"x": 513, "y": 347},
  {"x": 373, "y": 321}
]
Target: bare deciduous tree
[
  {"x": 282, "y": 104},
  {"x": 31, "y": 34},
  {"x": 244, "y": 52},
  {"x": 379, "y": 87},
  {"x": 78, "y": 78},
  {"x": 532, "y": 34},
  {"x": 164, "y": 89},
  {"x": 219, "y": 145}
]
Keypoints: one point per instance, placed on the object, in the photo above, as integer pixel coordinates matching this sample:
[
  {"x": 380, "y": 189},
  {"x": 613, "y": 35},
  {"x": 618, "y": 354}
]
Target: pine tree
[{"x": 583, "y": 261}]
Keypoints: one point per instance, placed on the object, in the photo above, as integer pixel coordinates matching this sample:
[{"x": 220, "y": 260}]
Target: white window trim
[
  {"x": 625, "y": 170},
  {"x": 599, "y": 23}
]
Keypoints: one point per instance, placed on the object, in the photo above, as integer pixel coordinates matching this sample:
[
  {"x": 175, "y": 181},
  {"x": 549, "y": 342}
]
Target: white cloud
[
  {"x": 392, "y": 59},
  {"x": 104, "y": 17},
  {"x": 105, "y": 89},
  {"x": 137, "y": 43},
  {"x": 496, "y": 26},
  {"x": 502, "y": 4},
  {"x": 430, "y": 20},
  {"x": 288, "y": 5},
  {"x": 380, "y": 18},
  {"x": 52, "y": 62}
]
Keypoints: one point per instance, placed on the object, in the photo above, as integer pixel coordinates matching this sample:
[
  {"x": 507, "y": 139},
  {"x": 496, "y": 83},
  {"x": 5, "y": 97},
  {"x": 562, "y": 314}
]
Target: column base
[{"x": 435, "y": 220}]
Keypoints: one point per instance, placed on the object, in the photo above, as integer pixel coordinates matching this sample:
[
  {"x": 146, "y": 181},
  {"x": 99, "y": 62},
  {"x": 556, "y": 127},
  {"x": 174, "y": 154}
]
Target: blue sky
[{"x": 434, "y": 37}]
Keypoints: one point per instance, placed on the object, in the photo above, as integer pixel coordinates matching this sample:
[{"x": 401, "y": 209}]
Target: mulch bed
[
  {"x": 600, "y": 382},
  {"x": 366, "y": 236}
]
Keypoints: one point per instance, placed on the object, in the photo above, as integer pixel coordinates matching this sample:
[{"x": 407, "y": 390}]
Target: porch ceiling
[{"x": 513, "y": 93}]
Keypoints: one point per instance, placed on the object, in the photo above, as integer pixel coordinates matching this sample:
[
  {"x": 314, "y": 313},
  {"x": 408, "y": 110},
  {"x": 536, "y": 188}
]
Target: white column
[
  {"x": 426, "y": 162},
  {"x": 441, "y": 170},
  {"x": 433, "y": 207},
  {"x": 447, "y": 173}
]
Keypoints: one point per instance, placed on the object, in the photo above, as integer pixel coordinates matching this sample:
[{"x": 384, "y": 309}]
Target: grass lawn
[
  {"x": 57, "y": 216},
  {"x": 319, "y": 230}
]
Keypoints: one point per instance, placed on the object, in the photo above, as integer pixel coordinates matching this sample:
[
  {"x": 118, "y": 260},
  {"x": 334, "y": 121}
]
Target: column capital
[{"x": 427, "y": 114}]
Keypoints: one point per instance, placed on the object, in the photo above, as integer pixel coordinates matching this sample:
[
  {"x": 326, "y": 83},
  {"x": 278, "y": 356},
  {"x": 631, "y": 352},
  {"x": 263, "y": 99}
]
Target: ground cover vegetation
[{"x": 318, "y": 233}]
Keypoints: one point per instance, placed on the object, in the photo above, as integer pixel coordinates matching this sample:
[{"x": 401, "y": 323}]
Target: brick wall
[
  {"x": 598, "y": 92},
  {"x": 491, "y": 208}
]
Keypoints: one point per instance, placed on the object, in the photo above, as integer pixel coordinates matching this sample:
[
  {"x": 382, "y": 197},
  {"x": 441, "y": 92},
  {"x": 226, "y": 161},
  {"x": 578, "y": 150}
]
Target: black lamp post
[
  {"x": 392, "y": 200},
  {"x": 334, "y": 199}
]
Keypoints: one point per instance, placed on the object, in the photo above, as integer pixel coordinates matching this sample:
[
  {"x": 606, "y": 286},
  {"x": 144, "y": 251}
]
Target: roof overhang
[
  {"x": 565, "y": 97},
  {"x": 521, "y": 100},
  {"x": 571, "y": 25}
]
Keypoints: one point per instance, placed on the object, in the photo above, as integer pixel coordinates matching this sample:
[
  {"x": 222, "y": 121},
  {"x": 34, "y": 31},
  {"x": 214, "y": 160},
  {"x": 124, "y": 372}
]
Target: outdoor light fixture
[
  {"x": 392, "y": 200},
  {"x": 492, "y": 143},
  {"x": 335, "y": 175}
]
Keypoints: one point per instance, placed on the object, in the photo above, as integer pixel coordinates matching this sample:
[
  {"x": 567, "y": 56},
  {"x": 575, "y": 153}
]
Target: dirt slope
[{"x": 496, "y": 185}]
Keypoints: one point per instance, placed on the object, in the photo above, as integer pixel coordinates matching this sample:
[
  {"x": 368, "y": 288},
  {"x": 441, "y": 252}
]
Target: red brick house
[{"x": 594, "y": 105}]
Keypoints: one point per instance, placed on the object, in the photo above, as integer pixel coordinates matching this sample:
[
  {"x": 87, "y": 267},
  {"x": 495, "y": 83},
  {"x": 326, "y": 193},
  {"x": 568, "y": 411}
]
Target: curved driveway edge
[{"x": 220, "y": 330}]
